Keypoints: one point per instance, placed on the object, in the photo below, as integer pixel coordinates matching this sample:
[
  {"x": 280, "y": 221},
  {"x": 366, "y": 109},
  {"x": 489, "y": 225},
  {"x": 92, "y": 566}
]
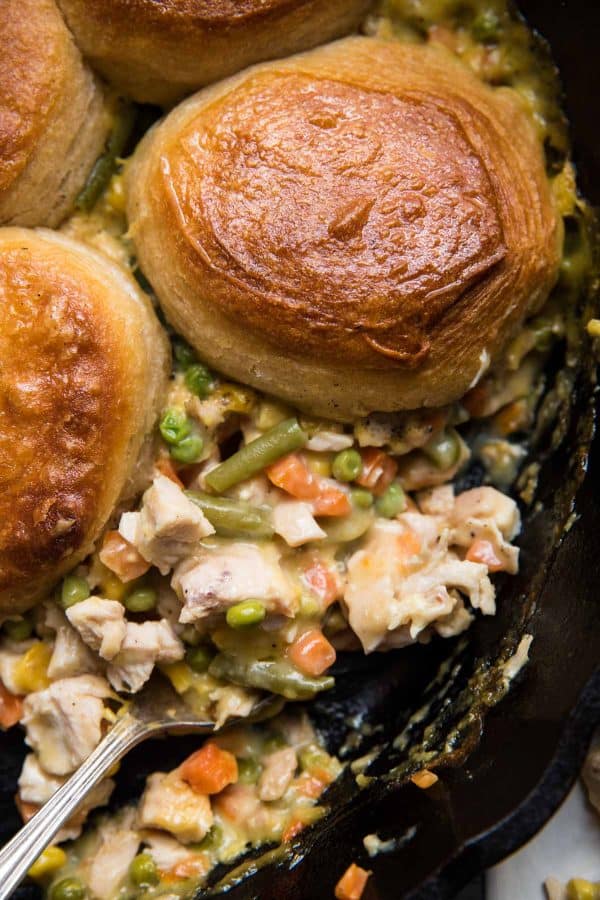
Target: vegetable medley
[{"x": 266, "y": 543}]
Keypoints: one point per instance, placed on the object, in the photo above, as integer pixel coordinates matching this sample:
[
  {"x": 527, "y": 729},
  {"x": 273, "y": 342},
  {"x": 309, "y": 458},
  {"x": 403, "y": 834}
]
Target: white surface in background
[{"x": 567, "y": 847}]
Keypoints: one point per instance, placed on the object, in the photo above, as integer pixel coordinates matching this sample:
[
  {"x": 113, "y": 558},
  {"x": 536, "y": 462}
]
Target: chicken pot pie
[
  {"x": 363, "y": 227},
  {"x": 54, "y": 120}
]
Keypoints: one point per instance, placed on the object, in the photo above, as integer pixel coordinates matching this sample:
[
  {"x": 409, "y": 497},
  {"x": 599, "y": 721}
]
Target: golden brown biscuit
[
  {"x": 83, "y": 365},
  {"x": 157, "y": 51},
  {"x": 358, "y": 228},
  {"x": 53, "y": 118}
]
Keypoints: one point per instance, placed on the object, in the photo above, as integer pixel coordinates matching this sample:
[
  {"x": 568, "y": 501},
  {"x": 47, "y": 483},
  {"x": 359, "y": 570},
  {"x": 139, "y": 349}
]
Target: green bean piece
[
  {"x": 143, "y": 599},
  {"x": 68, "y": 889},
  {"x": 267, "y": 675},
  {"x": 199, "y": 659},
  {"x": 347, "y": 465},
  {"x": 106, "y": 164},
  {"x": 443, "y": 449},
  {"x": 18, "y": 629},
  {"x": 188, "y": 449},
  {"x": 246, "y": 614},
  {"x": 362, "y": 498},
  {"x": 183, "y": 353},
  {"x": 174, "y": 425},
  {"x": 199, "y": 380},
  {"x": 392, "y": 502},
  {"x": 143, "y": 871},
  {"x": 74, "y": 589},
  {"x": 248, "y": 771},
  {"x": 257, "y": 455},
  {"x": 233, "y": 518}
]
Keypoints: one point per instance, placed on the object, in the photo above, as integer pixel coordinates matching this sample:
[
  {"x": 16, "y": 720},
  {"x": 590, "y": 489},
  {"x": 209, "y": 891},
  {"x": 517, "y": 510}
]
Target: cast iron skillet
[{"x": 534, "y": 740}]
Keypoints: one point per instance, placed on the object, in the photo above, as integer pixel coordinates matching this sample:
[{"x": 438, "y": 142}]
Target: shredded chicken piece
[
  {"x": 109, "y": 864},
  {"x": 488, "y": 504},
  {"x": 293, "y": 520},
  {"x": 144, "y": 645},
  {"x": 101, "y": 624},
  {"x": 171, "y": 804},
  {"x": 165, "y": 850},
  {"x": 232, "y": 702},
  {"x": 332, "y": 441},
  {"x": 64, "y": 721},
  {"x": 168, "y": 527},
  {"x": 278, "y": 773},
  {"x": 220, "y": 577},
  {"x": 70, "y": 656}
]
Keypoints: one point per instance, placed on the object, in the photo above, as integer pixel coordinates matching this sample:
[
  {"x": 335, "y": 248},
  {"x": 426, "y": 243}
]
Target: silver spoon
[{"x": 157, "y": 709}]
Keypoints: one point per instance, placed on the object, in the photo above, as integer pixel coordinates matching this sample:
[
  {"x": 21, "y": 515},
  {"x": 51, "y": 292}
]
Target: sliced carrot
[
  {"x": 323, "y": 582},
  {"x": 11, "y": 708},
  {"x": 482, "y": 551},
  {"x": 292, "y": 475},
  {"x": 121, "y": 557},
  {"x": 352, "y": 883},
  {"x": 165, "y": 467},
  {"x": 292, "y": 831},
  {"x": 210, "y": 770},
  {"x": 424, "y": 779},
  {"x": 379, "y": 470},
  {"x": 312, "y": 653}
]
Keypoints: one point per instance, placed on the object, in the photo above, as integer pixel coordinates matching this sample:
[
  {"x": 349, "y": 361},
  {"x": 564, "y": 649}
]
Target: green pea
[
  {"x": 141, "y": 600},
  {"x": 248, "y": 771},
  {"x": 242, "y": 615},
  {"x": 198, "y": 379},
  {"x": 392, "y": 502},
  {"x": 362, "y": 498},
  {"x": 443, "y": 449},
  {"x": 68, "y": 889},
  {"x": 17, "y": 629},
  {"x": 199, "y": 659},
  {"x": 312, "y": 756},
  {"x": 143, "y": 871},
  {"x": 183, "y": 354},
  {"x": 74, "y": 589},
  {"x": 347, "y": 465},
  {"x": 188, "y": 449},
  {"x": 486, "y": 27},
  {"x": 174, "y": 425}
]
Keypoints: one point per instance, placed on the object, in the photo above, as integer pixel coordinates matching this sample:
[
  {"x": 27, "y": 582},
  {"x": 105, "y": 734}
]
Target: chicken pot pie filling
[{"x": 267, "y": 542}]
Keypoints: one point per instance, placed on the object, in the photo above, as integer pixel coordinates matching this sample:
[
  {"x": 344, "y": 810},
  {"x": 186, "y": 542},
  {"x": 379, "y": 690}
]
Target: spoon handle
[{"x": 20, "y": 853}]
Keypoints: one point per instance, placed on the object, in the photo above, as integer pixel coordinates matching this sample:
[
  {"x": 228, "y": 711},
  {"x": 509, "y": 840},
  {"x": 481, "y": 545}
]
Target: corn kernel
[
  {"x": 319, "y": 463},
  {"x": 113, "y": 588},
  {"x": 114, "y": 770},
  {"x": 52, "y": 859},
  {"x": 180, "y": 675},
  {"x": 31, "y": 672},
  {"x": 115, "y": 195}
]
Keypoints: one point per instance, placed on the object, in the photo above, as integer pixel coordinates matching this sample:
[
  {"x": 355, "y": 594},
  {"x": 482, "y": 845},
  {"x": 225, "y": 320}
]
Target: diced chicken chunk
[
  {"x": 168, "y": 527},
  {"x": 170, "y": 804},
  {"x": 293, "y": 520},
  {"x": 109, "y": 864},
  {"x": 101, "y": 624},
  {"x": 70, "y": 656},
  {"x": 220, "y": 577},
  {"x": 488, "y": 504},
  {"x": 64, "y": 721},
  {"x": 277, "y": 775},
  {"x": 144, "y": 645}
]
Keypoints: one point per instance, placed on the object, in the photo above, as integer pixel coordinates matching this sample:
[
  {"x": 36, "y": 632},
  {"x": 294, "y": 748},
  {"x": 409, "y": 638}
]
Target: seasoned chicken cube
[
  {"x": 171, "y": 804},
  {"x": 488, "y": 504},
  {"x": 143, "y": 646},
  {"x": 168, "y": 527},
  {"x": 101, "y": 624},
  {"x": 64, "y": 721},
  {"x": 293, "y": 520},
  {"x": 222, "y": 576},
  {"x": 277, "y": 774}
]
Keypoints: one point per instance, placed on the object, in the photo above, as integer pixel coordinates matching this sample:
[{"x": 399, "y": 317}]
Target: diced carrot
[
  {"x": 310, "y": 786},
  {"x": 352, "y": 883},
  {"x": 424, "y": 779},
  {"x": 482, "y": 551},
  {"x": 26, "y": 810},
  {"x": 121, "y": 557},
  {"x": 210, "y": 769},
  {"x": 11, "y": 708},
  {"x": 165, "y": 467},
  {"x": 379, "y": 470},
  {"x": 322, "y": 580},
  {"x": 293, "y": 829},
  {"x": 312, "y": 653},
  {"x": 292, "y": 475}
]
